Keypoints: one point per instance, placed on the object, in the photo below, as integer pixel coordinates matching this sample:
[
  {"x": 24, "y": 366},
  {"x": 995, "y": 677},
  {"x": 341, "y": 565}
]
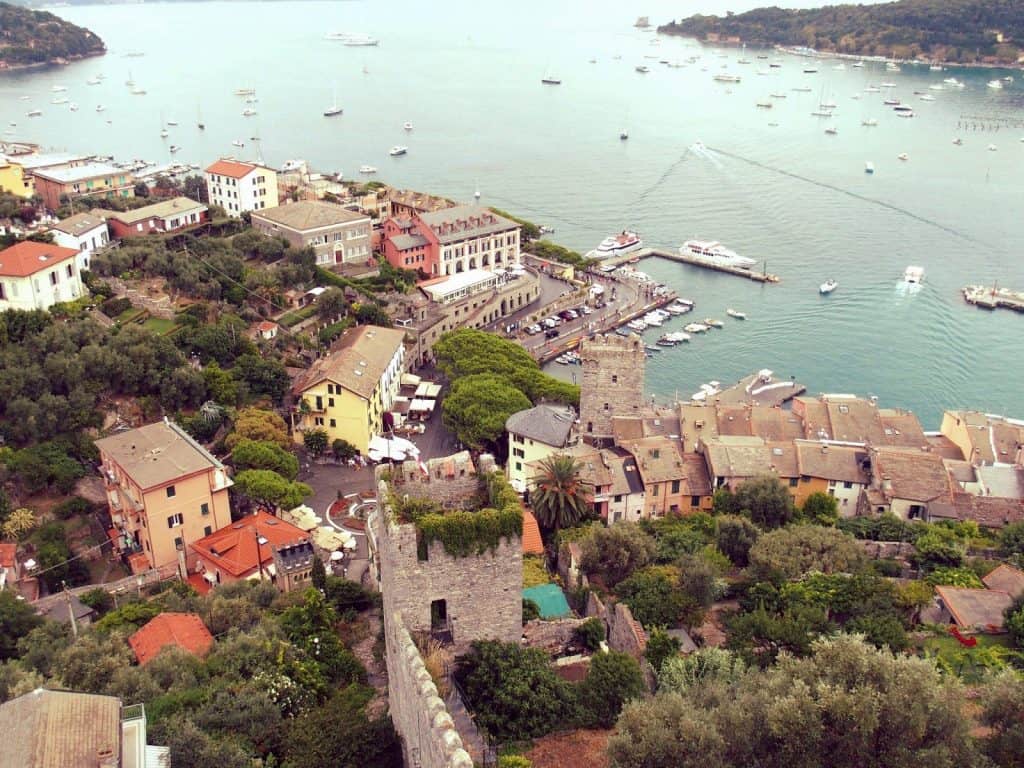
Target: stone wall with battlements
[
  {"x": 612, "y": 383},
  {"x": 429, "y": 736}
]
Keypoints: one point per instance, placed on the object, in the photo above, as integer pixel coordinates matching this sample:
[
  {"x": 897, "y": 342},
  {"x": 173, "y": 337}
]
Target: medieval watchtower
[{"x": 613, "y": 383}]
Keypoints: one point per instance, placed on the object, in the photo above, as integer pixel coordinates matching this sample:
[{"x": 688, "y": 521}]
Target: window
[
  {"x": 519, "y": 466},
  {"x": 334, "y": 423},
  {"x": 204, "y": 509},
  {"x": 675, "y": 486},
  {"x": 615, "y": 378},
  {"x": 53, "y": 278},
  {"x": 792, "y": 482},
  {"x": 319, "y": 421},
  {"x": 695, "y": 501},
  {"x": 847, "y": 484},
  {"x": 618, "y": 498},
  {"x": 207, "y": 530},
  {"x": 178, "y": 542},
  {"x": 654, "y": 490},
  {"x": 173, "y": 521},
  {"x": 171, "y": 492},
  {"x": 330, "y": 402},
  {"x": 70, "y": 270}
]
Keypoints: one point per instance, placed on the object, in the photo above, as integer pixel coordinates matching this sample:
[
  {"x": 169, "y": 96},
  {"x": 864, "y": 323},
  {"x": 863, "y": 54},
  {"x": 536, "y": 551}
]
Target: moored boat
[
  {"x": 828, "y": 286},
  {"x": 713, "y": 252},
  {"x": 736, "y": 313}
]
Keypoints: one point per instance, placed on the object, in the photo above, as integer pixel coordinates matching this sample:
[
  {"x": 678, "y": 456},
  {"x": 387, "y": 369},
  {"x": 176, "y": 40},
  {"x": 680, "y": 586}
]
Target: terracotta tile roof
[
  {"x": 914, "y": 475},
  {"x": 532, "y": 544},
  {"x": 658, "y": 458},
  {"x": 309, "y": 214},
  {"x": 235, "y": 169},
  {"x": 162, "y": 210},
  {"x": 975, "y": 608},
  {"x": 987, "y": 511},
  {"x": 233, "y": 548},
  {"x": 8, "y": 554},
  {"x": 744, "y": 457},
  {"x": 59, "y": 729},
  {"x": 832, "y": 462},
  {"x": 28, "y": 257},
  {"x": 367, "y": 349},
  {"x": 695, "y": 470},
  {"x": 266, "y": 325},
  {"x": 185, "y": 630},
  {"x": 1006, "y": 578}
]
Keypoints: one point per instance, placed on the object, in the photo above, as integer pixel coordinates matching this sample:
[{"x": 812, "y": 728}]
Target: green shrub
[
  {"x": 72, "y": 507},
  {"x": 591, "y": 633},
  {"x": 531, "y": 611}
]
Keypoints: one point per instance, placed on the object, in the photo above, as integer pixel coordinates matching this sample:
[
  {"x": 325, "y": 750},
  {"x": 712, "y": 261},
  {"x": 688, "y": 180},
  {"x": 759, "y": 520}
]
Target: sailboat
[{"x": 334, "y": 109}]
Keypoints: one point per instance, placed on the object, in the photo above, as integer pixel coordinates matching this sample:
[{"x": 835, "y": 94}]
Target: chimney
[
  {"x": 886, "y": 483},
  {"x": 824, "y": 449}
]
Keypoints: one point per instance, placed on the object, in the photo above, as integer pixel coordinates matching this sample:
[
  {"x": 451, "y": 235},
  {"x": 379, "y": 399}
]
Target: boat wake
[
  {"x": 701, "y": 151},
  {"x": 663, "y": 178},
  {"x": 856, "y": 196}
]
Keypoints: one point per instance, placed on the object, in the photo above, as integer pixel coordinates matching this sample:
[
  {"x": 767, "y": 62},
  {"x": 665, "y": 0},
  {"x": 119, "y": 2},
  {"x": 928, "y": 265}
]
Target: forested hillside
[
  {"x": 36, "y": 37},
  {"x": 948, "y": 30}
]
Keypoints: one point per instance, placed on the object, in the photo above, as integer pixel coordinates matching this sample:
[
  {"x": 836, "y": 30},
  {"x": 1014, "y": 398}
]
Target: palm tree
[{"x": 558, "y": 497}]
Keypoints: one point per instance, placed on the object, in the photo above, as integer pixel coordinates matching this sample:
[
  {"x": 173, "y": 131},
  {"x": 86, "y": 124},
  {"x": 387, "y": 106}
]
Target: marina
[{"x": 694, "y": 261}]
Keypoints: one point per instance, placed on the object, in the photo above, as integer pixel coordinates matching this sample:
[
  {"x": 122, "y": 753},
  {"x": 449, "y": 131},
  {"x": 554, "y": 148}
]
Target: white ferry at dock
[{"x": 713, "y": 252}]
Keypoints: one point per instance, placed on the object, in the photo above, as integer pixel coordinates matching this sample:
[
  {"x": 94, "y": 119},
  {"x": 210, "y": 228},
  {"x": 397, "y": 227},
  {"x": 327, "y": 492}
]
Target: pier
[
  {"x": 644, "y": 253},
  {"x": 994, "y": 298}
]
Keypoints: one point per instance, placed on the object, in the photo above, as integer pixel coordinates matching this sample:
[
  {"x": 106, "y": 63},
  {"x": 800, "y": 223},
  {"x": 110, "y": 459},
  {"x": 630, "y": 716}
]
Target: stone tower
[{"x": 613, "y": 383}]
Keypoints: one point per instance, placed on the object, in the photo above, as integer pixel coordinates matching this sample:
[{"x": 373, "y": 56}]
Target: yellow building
[
  {"x": 14, "y": 180},
  {"x": 347, "y": 393},
  {"x": 533, "y": 435},
  {"x": 165, "y": 492}
]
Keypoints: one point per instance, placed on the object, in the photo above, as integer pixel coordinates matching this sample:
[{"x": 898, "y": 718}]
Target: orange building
[
  {"x": 164, "y": 491},
  {"x": 244, "y": 549}
]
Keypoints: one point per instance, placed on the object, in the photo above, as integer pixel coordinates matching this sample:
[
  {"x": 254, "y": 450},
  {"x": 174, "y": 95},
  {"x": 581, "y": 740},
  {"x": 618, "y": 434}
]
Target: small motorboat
[
  {"x": 869, "y": 167},
  {"x": 958, "y": 141},
  {"x": 174, "y": 148},
  {"x": 34, "y": 113},
  {"x": 653, "y": 319},
  {"x": 398, "y": 150},
  {"x": 100, "y": 107},
  {"x": 407, "y": 126},
  {"x": 695, "y": 328},
  {"x": 713, "y": 323},
  {"x": 643, "y": 69},
  {"x": 902, "y": 156},
  {"x": 164, "y": 134},
  {"x": 827, "y": 287},
  {"x": 992, "y": 147},
  {"x": 913, "y": 275},
  {"x": 623, "y": 135},
  {"x": 238, "y": 143},
  {"x": 172, "y": 122},
  {"x": 248, "y": 112},
  {"x": 832, "y": 130},
  {"x": 637, "y": 325},
  {"x": 736, "y": 313},
  {"x": 73, "y": 107},
  {"x": 367, "y": 169}
]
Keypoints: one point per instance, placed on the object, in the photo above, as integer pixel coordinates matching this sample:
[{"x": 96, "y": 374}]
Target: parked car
[
  {"x": 566, "y": 314},
  {"x": 586, "y": 310},
  {"x": 551, "y": 333},
  {"x": 550, "y": 322}
]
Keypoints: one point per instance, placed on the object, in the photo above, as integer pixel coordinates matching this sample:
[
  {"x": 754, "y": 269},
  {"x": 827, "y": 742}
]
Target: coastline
[
  {"x": 59, "y": 61},
  {"x": 816, "y": 54}
]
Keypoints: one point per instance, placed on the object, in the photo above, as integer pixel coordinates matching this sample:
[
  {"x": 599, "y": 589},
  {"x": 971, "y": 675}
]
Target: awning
[
  {"x": 422, "y": 406},
  {"x": 410, "y": 379},
  {"x": 394, "y": 448},
  {"x": 428, "y": 390},
  {"x": 210, "y": 576}
]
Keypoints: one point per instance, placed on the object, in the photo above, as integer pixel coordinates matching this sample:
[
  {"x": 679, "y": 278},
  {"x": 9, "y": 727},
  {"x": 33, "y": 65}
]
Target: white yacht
[
  {"x": 712, "y": 323},
  {"x": 736, "y": 313},
  {"x": 913, "y": 275},
  {"x": 367, "y": 169},
  {"x": 902, "y": 156},
  {"x": 334, "y": 109},
  {"x": 872, "y": 89},
  {"x": 695, "y": 328},
  {"x": 653, "y": 320},
  {"x": 245, "y": 92},
  {"x": 953, "y": 82},
  {"x": 637, "y": 325},
  {"x": 859, "y": 65},
  {"x": 407, "y": 126},
  {"x": 725, "y": 77},
  {"x": 713, "y": 252},
  {"x": 827, "y": 287},
  {"x": 34, "y": 113},
  {"x": 616, "y": 245},
  {"x": 927, "y": 97},
  {"x": 100, "y": 107},
  {"x": 397, "y": 150},
  {"x": 138, "y": 91},
  {"x": 869, "y": 122},
  {"x": 887, "y": 85},
  {"x": 59, "y": 88}
]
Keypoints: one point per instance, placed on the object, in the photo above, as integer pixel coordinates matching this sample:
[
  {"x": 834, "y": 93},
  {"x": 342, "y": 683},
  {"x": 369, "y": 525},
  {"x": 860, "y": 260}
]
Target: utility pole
[
  {"x": 259, "y": 555},
  {"x": 71, "y": 611}
]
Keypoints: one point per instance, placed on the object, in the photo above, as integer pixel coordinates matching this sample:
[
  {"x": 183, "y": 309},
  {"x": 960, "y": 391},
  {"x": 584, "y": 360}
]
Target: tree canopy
[
  {"x": 477, "y": 408},
  {"x": 791, "y": 552}
]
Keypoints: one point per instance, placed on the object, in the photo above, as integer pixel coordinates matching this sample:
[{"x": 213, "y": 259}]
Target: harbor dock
[
  {"x": 644, "y": 253},
  {"x": 761, "y": 389},
  {"x": 994, "y": 298}
]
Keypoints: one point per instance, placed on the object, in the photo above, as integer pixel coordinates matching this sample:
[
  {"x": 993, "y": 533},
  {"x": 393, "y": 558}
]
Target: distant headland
[
  {"x": 989, "y": 32},
  {"x": 37, "y": 38}
]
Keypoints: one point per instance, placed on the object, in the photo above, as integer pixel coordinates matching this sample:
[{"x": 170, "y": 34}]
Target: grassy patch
[
  {"x": 534, "y": 572},
  {"x": 131, "y": 315},
  {"x": 296, "y": 316},
  {"x": 993, "y": 652},
  {"x": 159, "y": 325}
]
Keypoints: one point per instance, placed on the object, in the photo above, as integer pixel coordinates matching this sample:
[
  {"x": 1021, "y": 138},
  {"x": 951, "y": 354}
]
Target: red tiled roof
[
  {"x": 28, "y": 257},
  {"x": 266, "y": 325},
  {"x": 9, "y": 550},
  {"x": 185, "y": 630},
  {"x": 233, "y": 548},
  {"x": 532, "y": 544},
  {"x": 232, "y": 168}
]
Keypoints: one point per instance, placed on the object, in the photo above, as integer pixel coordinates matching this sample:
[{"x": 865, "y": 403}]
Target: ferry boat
[
  {"x": 713, "y": 252},
  {"x": 624, "y": 242},
  {"x": 827, "y": 287},
  {"x": 725, "y": 77},
  {"x": 397, "y": 150}
]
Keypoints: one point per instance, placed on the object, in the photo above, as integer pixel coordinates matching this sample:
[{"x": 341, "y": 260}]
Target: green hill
[
  {"x": 966, "y": 31},
  {"x": 36, "y": 37}
]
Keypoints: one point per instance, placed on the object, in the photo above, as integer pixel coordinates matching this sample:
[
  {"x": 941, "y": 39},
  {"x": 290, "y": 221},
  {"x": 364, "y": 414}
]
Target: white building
[
  {"x": 238, "y": 186},
  {"x": 472, "y": 237},
  {"x": 82, "y": 232},
  {"x": 535, "y": 434},
  {"x": 38, "y": 275}
]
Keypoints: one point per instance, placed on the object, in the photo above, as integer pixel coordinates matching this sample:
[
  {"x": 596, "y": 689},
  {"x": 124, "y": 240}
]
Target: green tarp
[{"x": 549, "y": 599}]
